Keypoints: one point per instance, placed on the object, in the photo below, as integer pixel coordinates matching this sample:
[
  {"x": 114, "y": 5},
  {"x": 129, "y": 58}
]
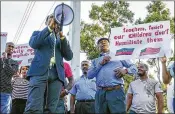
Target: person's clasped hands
[{"x": 119, "y": 72}]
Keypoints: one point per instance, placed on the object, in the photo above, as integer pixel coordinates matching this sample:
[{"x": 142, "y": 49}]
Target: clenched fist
[{"x": 105, "y": 60}]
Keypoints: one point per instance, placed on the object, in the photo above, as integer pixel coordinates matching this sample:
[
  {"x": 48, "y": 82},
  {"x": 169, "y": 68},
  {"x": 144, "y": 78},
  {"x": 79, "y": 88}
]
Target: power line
[
  {"x": 25, "y": 22},
  {"x": 22, "y": 20},
  {"x": 47, "y": 15}
]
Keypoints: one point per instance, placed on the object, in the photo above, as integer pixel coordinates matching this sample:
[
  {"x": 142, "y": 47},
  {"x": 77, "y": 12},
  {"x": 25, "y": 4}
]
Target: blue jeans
[
  {"x": 110, "y": 101},
  {"x": 6, "y": 102},
  {"x": 37, "y": 86}
]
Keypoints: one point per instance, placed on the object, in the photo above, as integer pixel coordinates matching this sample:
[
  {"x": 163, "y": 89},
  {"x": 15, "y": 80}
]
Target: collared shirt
[
  {"x": 105, "y": 75},
  {"x": 144, "y": 95},
  {"x": 171, "y": 68},
  {"x": 84, "y": 89}
]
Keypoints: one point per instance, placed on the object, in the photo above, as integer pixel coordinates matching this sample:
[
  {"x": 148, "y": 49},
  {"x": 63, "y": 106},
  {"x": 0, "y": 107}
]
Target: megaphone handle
[
  {"x": 61, "y": 27},
  {"x": 62, "y": 18}
]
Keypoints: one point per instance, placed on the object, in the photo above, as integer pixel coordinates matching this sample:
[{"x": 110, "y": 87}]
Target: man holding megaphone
[{"x": 47, "y": 70}]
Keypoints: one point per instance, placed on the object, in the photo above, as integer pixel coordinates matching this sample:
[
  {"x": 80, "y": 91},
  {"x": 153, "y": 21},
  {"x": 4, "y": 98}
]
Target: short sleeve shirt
[
  {"x": 171, "y": 68},
  {"x": 144, "y": 95},
  {"x": 67, "y": 70}
]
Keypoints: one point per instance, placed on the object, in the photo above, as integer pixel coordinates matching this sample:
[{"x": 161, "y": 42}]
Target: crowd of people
[{"x": 42, "y": 87}]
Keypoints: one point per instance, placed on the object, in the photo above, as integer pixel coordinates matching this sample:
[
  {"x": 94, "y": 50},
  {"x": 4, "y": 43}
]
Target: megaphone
[{"x": 63, "y": 15}]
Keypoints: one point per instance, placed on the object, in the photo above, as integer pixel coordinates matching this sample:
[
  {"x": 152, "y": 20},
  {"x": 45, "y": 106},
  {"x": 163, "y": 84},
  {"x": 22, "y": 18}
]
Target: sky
[{"x": 12, "y": 13}]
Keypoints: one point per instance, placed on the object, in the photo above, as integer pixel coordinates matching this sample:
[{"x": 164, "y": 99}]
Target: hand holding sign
[{"x": 163, "y": 59}]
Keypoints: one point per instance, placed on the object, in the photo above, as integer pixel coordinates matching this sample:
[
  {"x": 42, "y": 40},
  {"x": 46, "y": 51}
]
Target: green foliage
[
  {"x": 164, "y": 88},
  {"x": 89, "y": 33},
  {"x": 151, "y": 76},
  {"x": 110, "y": 14},
  {"x": 138, "y": 21},
  {"x": 157, "y": 11},
  {"x": 127, "y": 79}
]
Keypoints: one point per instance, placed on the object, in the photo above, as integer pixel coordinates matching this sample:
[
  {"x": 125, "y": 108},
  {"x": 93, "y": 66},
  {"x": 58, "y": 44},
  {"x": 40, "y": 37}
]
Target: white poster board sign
[
  {"x": 149, "y": 40},
  {"x": 3, "y": 42},
  {"x": 24, "y": 54}
]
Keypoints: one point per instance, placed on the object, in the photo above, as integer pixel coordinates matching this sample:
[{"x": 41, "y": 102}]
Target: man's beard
[
  {"x": 9, "y": 55},
  {"x": 141, "y": 75},
  {"x": 85, "y": 71}
]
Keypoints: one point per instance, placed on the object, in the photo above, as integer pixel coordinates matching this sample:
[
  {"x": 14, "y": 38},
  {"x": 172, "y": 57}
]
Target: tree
[
  {"x": 128, "y": 79},
  {"x": 110, "y": 14},
  {"x": 157, "y": 11}
]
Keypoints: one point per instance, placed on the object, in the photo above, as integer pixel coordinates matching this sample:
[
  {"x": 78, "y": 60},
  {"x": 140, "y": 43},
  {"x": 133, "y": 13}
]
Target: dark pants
[
  {"x": 85, "y": 108},
  {"x": 174, "y": 104},
  {"x": 61, "y": 107},
  {"x": 37, "y": 86},
  {"x": 110, "y": 101},
  {"x": 132, "y": 112},
  {"x": 18, "y": 106}
]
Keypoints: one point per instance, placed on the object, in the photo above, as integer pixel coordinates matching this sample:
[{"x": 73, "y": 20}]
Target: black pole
[{"x": 62, "y": 18}]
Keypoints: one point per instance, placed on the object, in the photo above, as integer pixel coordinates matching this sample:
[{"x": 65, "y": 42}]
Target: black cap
[{"x": 102, "y": 39}]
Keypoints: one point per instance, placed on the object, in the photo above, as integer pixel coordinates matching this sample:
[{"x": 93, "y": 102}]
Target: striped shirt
[
  {"x": 8, "y": 68},
  {"x": 20, "y": 88}
]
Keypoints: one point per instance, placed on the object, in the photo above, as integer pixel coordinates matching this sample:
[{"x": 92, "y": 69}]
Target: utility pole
[{"x": 74, "y": 37}]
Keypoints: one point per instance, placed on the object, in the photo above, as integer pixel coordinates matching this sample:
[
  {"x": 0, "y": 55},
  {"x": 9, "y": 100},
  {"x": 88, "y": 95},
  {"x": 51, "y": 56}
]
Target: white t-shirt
[{"x": 144, "y": 100}]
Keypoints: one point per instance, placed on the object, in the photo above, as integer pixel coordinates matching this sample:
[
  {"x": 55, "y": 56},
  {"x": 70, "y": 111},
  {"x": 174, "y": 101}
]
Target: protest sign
[
  {"x": 149, "y": 40},
  {"x": 3, "y": 42},
  {"x": 24, "y": 54}
]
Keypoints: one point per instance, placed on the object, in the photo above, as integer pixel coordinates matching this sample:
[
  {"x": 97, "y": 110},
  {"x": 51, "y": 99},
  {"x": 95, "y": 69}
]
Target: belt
[
  {"x": 91, "y": 100},
  {"x": 110, "y": 88}
]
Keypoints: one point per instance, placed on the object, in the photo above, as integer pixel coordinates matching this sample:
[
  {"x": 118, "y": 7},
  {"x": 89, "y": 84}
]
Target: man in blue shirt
[
  {"x": 84, "y": 92},
  {"x": 110, "y": 94}
]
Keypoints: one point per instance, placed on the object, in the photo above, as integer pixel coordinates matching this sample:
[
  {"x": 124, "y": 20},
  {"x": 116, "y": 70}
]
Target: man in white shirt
[{"x": 142, "y": 93}]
